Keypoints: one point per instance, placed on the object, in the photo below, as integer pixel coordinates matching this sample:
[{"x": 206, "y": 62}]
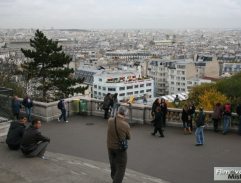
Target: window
[
  {"x": 136, "y": 92},
  {"x": 136, "y": 86},
  {"x": 99, "y": 87},
  {"x": 99, "y": 94},
  {"x": 148, "y": 84},
  {"x": 122, "y": 94},
  {"x": 104, "y": 88},
  {"x": 122, "y": 88},
  {"x": 95, "y": 92},
  {"x": 129, "y": 93},
  {"x": 100, "y": 79},
  {"x": 111, "y": 89},
  {"x": 141, "y": 85},
  {"x": 95, "y": 86},
  {"x": 149, "y": 90},
  {"x": 142, "y": 91},
  {"x": 129, "y": 87}
]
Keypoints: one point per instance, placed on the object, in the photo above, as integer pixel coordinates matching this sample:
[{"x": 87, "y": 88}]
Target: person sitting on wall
[{"x": 15, "y": 133}]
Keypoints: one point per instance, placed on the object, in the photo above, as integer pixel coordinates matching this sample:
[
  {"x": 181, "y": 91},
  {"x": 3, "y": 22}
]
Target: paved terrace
[{"x": 173, "y": 158}]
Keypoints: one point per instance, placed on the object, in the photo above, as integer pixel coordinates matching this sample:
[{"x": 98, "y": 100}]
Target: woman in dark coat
[
  {"x": 163, "y": 106},
  {"x": 155, "y": 104},
  {"x": 158, "y": 122},
  {"x": 217, "y": 116},
  {"x": 185, "y": 119}
]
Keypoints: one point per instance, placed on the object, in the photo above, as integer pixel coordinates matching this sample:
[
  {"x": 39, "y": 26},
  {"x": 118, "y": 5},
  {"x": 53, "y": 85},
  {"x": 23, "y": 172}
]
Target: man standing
[
  {"x": 238, "y": 110},
  {"x": 34, "y": 143},
  {"x": 15, "y": 133},
  {"x": 28, "y": 104},
  {"x": 227, "y": 113},
  {"x": 16, "y": 106},
  {"x": 200, "y": 123},
  {"x": 62, "y": 108},
  {"x": 118, "y": 129}
]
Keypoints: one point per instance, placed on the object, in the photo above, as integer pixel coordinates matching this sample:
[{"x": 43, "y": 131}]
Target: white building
[{"x": 125, "y": 83}]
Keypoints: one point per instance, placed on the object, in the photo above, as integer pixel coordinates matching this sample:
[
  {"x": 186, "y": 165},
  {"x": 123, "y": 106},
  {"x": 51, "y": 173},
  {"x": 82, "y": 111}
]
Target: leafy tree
[
  {"x": 47, "y": 67},
  {"x": 210, "y": 97},
  {"x": 199, "y": 90}
]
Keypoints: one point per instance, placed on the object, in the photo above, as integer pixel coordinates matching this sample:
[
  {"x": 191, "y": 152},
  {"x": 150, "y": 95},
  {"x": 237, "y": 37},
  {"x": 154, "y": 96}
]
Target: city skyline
[{"x": 126, "y": 14}]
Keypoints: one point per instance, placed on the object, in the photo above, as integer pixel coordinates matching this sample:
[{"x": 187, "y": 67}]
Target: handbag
[{"x": 123, "y": 143}]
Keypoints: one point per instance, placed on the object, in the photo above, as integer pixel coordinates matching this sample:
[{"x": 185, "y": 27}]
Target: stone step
[{"x": 60, "y": 168}]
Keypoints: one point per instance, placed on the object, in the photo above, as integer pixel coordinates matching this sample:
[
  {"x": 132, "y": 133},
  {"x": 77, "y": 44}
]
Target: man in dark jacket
[
  {"x": 16, "y": 106},
  {"x": 15, "y": 133},
  {"x": 238, "y": 110},
  {"x": 34, "y": 143},
  {"x": 158, "y": 122},
  {"x": 200, "y": 123},
  {"x": 106, "y": 105},
  {"x": 28, "y": 104}
]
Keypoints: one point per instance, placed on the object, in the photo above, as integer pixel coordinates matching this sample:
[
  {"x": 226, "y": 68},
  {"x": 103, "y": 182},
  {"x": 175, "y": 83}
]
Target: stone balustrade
[{"x": 138, "y": 113}]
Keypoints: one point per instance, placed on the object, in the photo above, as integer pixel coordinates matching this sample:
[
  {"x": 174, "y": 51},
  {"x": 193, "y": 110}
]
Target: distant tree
[
  {"x": 48, "y": 67},
  {"x": 210, "y": 97},
  {"x": 199, "y": 90},
  {"x": 9, "y": 70}
]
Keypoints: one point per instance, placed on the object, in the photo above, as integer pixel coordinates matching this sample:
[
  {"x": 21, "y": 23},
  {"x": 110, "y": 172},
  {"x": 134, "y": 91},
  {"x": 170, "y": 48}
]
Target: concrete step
[{"x": 60, "y": 168}]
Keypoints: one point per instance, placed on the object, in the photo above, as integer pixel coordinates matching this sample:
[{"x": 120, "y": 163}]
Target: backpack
[
  {"x": 227, "y": 108},
  {"x": 59, "y": 105}
]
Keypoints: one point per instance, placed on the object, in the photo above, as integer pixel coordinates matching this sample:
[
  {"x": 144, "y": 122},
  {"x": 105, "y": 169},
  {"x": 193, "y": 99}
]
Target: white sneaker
[
  {"x": 58, "y": 120},
  {"x": 66, "y": 121},
  {"x": 44, "y": 158}
]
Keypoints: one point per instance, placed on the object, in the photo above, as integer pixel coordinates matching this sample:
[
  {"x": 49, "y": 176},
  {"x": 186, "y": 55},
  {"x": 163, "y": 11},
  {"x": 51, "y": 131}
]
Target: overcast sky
[{"x": 88, "y": 14}]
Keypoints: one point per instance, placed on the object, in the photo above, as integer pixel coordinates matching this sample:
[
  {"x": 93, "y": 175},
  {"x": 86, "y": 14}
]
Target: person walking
[
  {"x": 185, "y": 114},
  {"x": 227, "y": 113},
  {"x": 238, "y": 110},
  {"x": 15, "y": 133},
  {"x": 106, "y": 105},
  {"x": 164, "y": 110},
  {"x": 118, "y": 129},
  {"x": 158, "y": 122},
  {"x": 16, "y": 106},
  {"x": 62, "y": 108},
  {"x": 34, "y": 144},
  {"x": 28, "y": 104},
  {"x": 155, "y": 104},
  {"x": 115, "y": 105},
  {"x": 217, "y": 116},
  {"x": 200, "y": 123}
]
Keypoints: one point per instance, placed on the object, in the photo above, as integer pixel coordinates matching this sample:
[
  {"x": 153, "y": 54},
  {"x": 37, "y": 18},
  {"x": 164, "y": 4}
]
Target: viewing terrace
[{"x": 78, "y": 152}]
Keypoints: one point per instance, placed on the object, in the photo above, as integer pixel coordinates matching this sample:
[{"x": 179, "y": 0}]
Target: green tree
[
  {"x": 198, "y": 91},
  {"x": 48, "y": 67}
]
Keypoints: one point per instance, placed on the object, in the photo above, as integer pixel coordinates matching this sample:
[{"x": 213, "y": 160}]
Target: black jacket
[
  {"x": 158, "y": 120},
  {"x": 15, "y": 133},
  {"x": 27, "y": 102},
  {"x": 31, "y": 138},
  {"x": 200, "y": 119}
]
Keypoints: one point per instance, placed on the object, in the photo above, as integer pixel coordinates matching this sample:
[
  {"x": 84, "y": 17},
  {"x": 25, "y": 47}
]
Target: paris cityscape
[{"x": 86, "y": 84}]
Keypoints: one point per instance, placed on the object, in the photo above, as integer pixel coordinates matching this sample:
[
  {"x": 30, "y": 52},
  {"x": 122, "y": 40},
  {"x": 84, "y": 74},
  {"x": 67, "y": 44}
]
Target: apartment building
[{"x": 125, "y": 83}]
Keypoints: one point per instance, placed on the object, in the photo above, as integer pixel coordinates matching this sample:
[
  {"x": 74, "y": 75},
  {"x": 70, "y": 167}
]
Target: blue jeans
[
  {"x": 199, "y": 135},
  {"x": 239, "y": 126},
  {"x": 226, "y": 123},
  {"x": 63, "y": 114},
  {"x": 28, "y": 113}
]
